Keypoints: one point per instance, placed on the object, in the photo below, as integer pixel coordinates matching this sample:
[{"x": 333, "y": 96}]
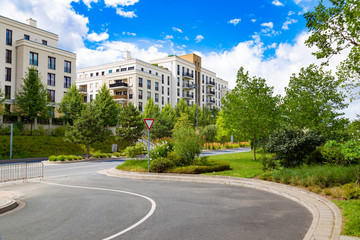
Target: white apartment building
[
  {"x": 24, "y": 45},
  {"x": 165, "y": 80}
]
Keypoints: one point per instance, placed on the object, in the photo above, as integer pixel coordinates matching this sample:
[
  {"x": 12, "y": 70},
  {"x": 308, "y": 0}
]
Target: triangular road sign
[{"x": 149, "y": 123}]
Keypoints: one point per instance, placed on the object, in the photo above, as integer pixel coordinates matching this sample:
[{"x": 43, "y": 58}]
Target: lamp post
[{"x": 117, "y": 125}]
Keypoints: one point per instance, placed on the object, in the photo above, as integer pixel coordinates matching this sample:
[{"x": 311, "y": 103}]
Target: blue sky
[{"x": 266, "y": 37}]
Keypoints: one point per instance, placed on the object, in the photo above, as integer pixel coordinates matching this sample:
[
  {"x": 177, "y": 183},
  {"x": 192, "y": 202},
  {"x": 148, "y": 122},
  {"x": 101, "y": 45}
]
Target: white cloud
[
  {"x": 199, "y": 38},
  {"x": 268, "y": 24},
  {"x": 115, "y": 3},
  {"x": 94, "y": 37},
  {"x": 286, "y": 24},
  {"x": 175, "y": 29},
  {"x": 126, "y": 14},
  {"x": 168, "y": 37},
  {"x": 291, "y": 13},
  {"x": 88, "y": 2},
  {"x": 129, "y": 34},
  {"x": 234, "y": 21},
  {"x": 186, "y": 38},
  {"x": 253, "y": 20},
  {"x": 277, "y": 3}
]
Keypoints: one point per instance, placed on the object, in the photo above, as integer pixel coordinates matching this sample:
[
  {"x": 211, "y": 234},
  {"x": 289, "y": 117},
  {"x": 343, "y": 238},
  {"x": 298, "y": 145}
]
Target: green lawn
[
  {"x": 241, "y": 163},
  {"x": 351, "y": 214},
  {"x": 134, "y": 166}
]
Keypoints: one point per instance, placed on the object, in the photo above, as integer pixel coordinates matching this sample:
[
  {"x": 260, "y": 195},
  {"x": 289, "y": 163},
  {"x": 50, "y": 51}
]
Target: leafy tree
[
  {"x": 312, "y": 100},
  {"x": 32, "y": 99},
  {"x": 87, "y": 128},
  {"x": 353, "y": 129},
  {"x": 250, "y": 110},
  {"x": 151, "y": 110},
  {"x": 181, "y": 107},
  {"x": 131, "y": 124},
  {"x": 223, "y": 133},
  {"x": 72, "y": 104},
  {"x": 335, "y": 29},
  {"x": 210, "y": 132},
  {"x": 164, "y": 123},
  {"x": 108, "y": 108}
]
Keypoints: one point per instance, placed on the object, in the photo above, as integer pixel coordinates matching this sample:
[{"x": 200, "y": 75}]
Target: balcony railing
[
  {"x": 187, "y": 95},
  {"x": 118, "y": 84},
  {"x": 188, "y": 75},
  {"x": 120, "y": 97},
  {"x": 210, "y": 83},
  {"x": 211, "y": 101},
  {"x": 187, "y": 85},
  {"x": 82, "y": 89},
  {"x": 210, "y": 92}
]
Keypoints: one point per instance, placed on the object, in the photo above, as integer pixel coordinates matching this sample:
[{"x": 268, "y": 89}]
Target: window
[
  {"x": 67, "y": 82},
  {"x": 178, "y": 69},
  {"x": 51, "y": 79},
  {"x": 51, "y": 95},
  {"x": 203, "y": 78},
  {"x": 183, "y": 71},
  {"x": 91, "y": 74},
  {"x": 34, "y": 59},
  {"x": 162, "y": 90},
  {"x": 169, "y": 100},
  {"x": 26, "y": 37},
  {"x": 178, "y": 82},
  {"x": 162, "y": 79},
  {"x": 110, "y": 71},
  {"x": 156, "y": 74},
  {"x": 44, "y": 42},
  {"x": 131, "y": 68},
  {"x": 91, "y": 98},
  {"x": 168, "y": 91},
  {"x": 148, "y": 84},
  {"x": 150, "y": 71},
  {"x": 103, "y": 73},
  {"x": 156, "y": 97},
  {"x": 8, "y": 74},
  {"x": 67, "y": 66},
  {"x": 148, "y": 95},
  {"x": 8, "y": 56},
  {"x": 51, "y": 63},
  {"x": 142, "y": 69},
  {"x": 178, "y": 92},
  {"x": 156, "y": 86},
  {"x": 162, "y": 101},
  {"x": 123, "y": 69},
  {"x": 140, "y": 106},
  {"x": 7, "y": 92},
  {"x": 140, "y": 82},
  {"x": 168, "y": 80},
  {"x": 117, "y": 70},
  {"x": 97, "y": 74},
  {"x": 140, "y": 94},
  {"x": 8, "y": 37}
]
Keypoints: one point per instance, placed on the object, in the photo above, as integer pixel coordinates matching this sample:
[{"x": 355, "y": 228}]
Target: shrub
[
  {"x": 132, "y": 151},
  {"x": 177, "y": 160},
  {"x": 161, "y": 150},
  {"x": 79, "y": 157},
  {"x": 214, "y": 166},
  {"x": 352, "y": 191},
  {"x": 331, "y": 152},
  {"x": 292, "y": 146},
  {"x": 58, "y": 132},
  {"x": 351, "y": 151},
  {"x": 52, "y": 158},
  {"x": 116, "y": 154},
  {"x": 160, "y": 165},
  {"x": 61, "y": 158},
  {"x": 268, "y": 162},
  {"x": 186, "y": 144},
  {"x": 95, "y": 155}
]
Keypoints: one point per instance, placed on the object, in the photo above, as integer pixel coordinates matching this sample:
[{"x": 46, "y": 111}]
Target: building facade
[
  {"x": 165, "y": 80},
  {"x": 24, "y": 45}
]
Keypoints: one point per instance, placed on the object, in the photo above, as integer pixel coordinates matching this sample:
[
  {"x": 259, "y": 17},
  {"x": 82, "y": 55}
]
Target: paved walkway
[{"x": 327, "y": 217}]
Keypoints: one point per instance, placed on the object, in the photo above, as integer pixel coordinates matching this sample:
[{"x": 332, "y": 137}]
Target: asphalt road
[{"x": 76, "y": 202}]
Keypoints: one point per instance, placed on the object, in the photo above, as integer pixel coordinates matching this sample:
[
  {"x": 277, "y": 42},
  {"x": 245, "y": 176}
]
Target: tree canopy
[
  {"x": 131, "y": 124},
  {"x": 107, "y": 107},
  {"x": 72, "y": 104}
]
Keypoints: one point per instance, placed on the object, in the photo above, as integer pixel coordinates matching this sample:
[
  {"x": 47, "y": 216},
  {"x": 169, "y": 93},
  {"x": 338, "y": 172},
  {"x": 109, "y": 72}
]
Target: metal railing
[{"x": 21, "y": 171}]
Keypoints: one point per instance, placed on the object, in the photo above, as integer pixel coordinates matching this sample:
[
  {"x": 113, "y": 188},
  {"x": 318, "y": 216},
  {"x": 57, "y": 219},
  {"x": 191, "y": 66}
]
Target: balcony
[
  {"x": 210, "y": 101},
  {"x": 210, "y": 83},
  {"x": 118, "y": 85},
  {"x": 188, "y": 75},
  {"x": 210, "y": 92},
  {"x": 187, "y": 85},
  {"x": 188, "y": 95},
  {"x": 120, "y": 97},
  {"x": 82, "y": 89}
]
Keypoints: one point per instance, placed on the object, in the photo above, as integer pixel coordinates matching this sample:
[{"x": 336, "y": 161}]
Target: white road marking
[{"x": 152, "y": 210}]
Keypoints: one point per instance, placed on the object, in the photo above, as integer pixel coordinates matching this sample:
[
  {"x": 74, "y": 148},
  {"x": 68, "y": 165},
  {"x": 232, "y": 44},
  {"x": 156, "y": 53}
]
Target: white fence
[{"x": 21, "y": 171}]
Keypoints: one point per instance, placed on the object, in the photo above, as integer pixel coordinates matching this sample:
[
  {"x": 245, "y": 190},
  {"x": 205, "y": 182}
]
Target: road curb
[
  {"x": 327, "y": 218},
  {"x": 7, "y": 205}
]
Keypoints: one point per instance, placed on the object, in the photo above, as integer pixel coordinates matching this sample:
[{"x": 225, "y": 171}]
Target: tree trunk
[
  {"x": 87, "y": 151},
  {"x": 254, "y": 148}
]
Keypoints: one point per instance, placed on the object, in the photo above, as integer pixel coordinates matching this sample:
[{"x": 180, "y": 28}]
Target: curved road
[{"x": 76, "y": 202}]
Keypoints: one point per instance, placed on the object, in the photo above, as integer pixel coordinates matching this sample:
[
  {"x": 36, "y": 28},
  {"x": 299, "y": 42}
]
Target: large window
[
  {"x": 8, "y": 37},
  {"x": 140, "y": 94},
  {"x": 51, "y": 79},
  {"x": 148, "y": 84},
  {"x": 178, "y": 82},
  {"x": 156, "y": 86},
  {"x": 8, "y": 74},
  {"x": 162, "y": 90},
  {"x": 8, "y": 56},
  {"x": 178, "y": 69},
  {"x": 168, "y": 80},
  {"x": 67, "y": 82},
  {"x": 162, "y": 79},
  {"x": 148, "y": 95},
  {"x": 8, "y": 92},
  {"x": 67, "y": 66},
  {"x": 34, "y": 59},
  {"x": 51, "y": 95},
  {"x": 156, "y": 97},
  {"x": 140, "y": 82},
  {"x": 51, "y": 63}
]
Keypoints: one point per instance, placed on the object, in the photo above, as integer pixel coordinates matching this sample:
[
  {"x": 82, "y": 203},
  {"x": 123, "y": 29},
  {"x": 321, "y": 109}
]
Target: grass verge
[
  {"x": 351, "y": 216},
  {"x": 134, "y": 166}
]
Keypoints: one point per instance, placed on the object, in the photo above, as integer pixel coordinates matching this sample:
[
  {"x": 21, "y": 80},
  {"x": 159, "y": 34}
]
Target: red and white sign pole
[{"x": 149, "y": 123}]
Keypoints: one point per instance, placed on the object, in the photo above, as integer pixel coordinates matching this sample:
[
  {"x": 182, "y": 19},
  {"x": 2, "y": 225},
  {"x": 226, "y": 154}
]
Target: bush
[
  {"x": 292, "y": 146},
  {"x": 186, "y": 144},
  {"x": 132, "y": 151},
  {"x": 161, "y": 150},
  {"x": 351, "y": 151},
  {"x": 58, "y": 132},
  {"x": 331, "y": 152},
  {"x": 116, "y": 154},
  {"x": 160, "y": 165},
  {"x": 52, "y": 158},
  {"x": 214, "y": 166},
  {"x": 268, "y": 162}
]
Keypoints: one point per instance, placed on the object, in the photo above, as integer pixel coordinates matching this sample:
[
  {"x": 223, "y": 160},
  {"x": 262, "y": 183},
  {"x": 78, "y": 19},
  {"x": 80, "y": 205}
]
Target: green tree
[
  {"x": 32, "y": 99},
  {"x": 72, "y": 104},
  {"x": 250, "y": 110},
  {"x": 107, "y": 107},
  {"x": 181, "y": 107},
  {"x": 335, "y": 29},
  {"x": 87, "y": 128},
  {"x": 164, "y": 123},
  {"x": 131, "y": 124},
  {"x": 223, "y": 133},
  {"x": 312, "y": 100}
]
